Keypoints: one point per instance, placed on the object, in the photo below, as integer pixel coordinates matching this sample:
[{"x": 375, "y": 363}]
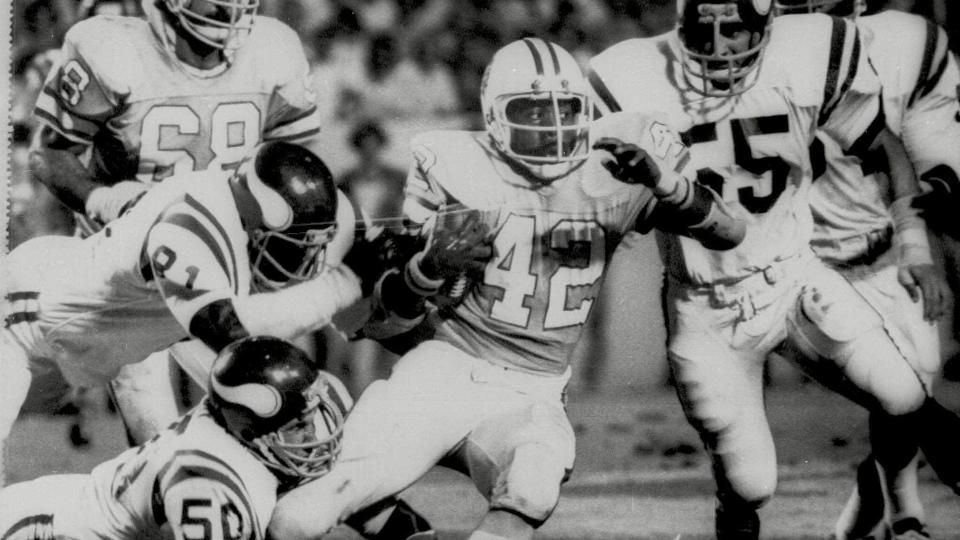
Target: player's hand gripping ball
[{"x": 460, "y": 243}]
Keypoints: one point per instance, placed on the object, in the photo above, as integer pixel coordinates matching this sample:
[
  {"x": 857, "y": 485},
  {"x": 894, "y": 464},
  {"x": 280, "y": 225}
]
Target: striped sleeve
[
  {"x": 292, "y": 113},
  {"x": 603, "y": 100},
  {"x": 202, "y": 496},
  {"x": 851, "y": 109},
  {"x": 934, "y": 63},
  {"x": 75, "y": 101},
  {"x": 190, "y": 256}
]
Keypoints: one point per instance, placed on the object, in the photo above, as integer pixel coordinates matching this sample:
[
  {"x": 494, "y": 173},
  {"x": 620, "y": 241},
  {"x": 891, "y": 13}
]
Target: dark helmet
[
  {"x": 704, "y": 26},
  {"x": 269, "y": 394},
  {"x": 288, "y": 204}
]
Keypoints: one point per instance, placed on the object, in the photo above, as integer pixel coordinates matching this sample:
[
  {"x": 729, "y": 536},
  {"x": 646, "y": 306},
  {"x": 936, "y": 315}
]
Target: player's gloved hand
[
  {"x": 373, "y": 253},
  {"x": 630, "y": 164},
  {"x": 924, "y": 281},
  {"x": 462, "y": 248},
  {"x": 107, "y": 203}
]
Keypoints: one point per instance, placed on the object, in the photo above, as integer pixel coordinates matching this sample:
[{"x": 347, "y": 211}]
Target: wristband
[
  {"x": 418, "y": 282},
  {"x": 910, "y": 233}
]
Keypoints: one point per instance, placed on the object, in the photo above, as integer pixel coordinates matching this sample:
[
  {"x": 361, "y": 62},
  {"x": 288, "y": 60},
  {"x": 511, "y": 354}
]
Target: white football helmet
[
  {"x": 535, "y": 107},
  {"x": 707, "y": 28},
  {"x": 221, "y": 24},
  {"x": 842, "y": 8}
]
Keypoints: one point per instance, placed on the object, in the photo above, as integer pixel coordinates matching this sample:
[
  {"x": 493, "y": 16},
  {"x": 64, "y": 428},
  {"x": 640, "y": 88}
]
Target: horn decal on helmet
[
  {"x": 264, "y": 400},
  {"x": 277, "y": 214}
]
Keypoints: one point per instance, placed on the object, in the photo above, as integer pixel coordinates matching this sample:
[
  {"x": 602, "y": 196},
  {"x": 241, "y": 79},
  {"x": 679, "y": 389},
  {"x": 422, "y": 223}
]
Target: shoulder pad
[
  {"x": 108, "y": 46},
  {"x": 811, "y": 54},
  {"x": 616, "y": 74},
  {"x": 279, "y": 47}
]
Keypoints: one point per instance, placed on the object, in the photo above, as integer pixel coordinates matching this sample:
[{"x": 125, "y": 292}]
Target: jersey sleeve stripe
[
  {"x": 193, "y": 225},
  {"x": 294, "y": 119},
  {"x": 848, "y": 82},
  {"x": 294, "y": 136},
  {"x": 22, "y": 295},
  {"x": 603, "y": 92},
  {"x": 861, "y": 146},
  {"x": 683, "y": 161},
  {"x": 838, "y": 34},
  {"x": 72, "y": 134},
  {"x": 223, "y": 237},
  {"x": 929, "y": 52},
  {"x": 33, "y": 526}
]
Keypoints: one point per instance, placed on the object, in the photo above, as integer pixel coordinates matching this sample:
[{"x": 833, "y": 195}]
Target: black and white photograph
[{"x": 480, "y": 270}]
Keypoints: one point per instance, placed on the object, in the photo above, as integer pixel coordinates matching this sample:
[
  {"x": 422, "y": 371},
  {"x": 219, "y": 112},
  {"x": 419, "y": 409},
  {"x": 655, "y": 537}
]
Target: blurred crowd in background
[{"x": 383, "y": 70}]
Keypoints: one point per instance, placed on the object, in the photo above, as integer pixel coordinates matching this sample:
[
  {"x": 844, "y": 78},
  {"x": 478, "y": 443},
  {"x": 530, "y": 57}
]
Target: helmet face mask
[
  {"x": 268, "y": 394},
  {"x": 533, "y": 131},
  {"x": 722, "y": 43},
  {"x": 305, "y": 447},
  {"x": 219, "y": 24},
  {"x": 283, "y": 258},
  {"x": 288, "y": 203},
  {"x": 840, "y": 8},
  {"x": 536, "y": 109}
]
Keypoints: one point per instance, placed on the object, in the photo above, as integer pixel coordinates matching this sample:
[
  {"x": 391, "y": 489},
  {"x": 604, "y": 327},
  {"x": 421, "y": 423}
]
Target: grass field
[{"x": 640, "y": 474}]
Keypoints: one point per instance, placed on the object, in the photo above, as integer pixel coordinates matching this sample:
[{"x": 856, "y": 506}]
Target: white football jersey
[
  {"x": 752, "y": 149},
  {"x": 132, "y": 288},
  {"x": 920, "y": 82},
  {"x": 119, "y": 81},
  {"x": 193, "y": 478},
  {"x": 552, "y": 243}
]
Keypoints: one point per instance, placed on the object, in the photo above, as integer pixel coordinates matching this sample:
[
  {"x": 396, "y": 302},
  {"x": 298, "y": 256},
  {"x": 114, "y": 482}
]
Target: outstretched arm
[{"x": 683, "y": 206}]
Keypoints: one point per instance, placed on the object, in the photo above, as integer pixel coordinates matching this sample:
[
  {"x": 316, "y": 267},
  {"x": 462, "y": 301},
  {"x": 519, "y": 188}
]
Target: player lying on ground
[
  {"x": 271, "y": 421},
  {"x": 520, "y": 221}
]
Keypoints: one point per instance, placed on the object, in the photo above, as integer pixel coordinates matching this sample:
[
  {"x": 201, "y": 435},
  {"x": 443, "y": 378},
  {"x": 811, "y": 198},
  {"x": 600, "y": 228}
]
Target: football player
[
  {"x": 271, "y": 421},
  {"x": 852, "y": 232},
  {"x": 521, "y": 243},
  {"x": 750, "y": 102},
  {"x": 214, "y": 255},
  {"x": 194, "y": 84}
]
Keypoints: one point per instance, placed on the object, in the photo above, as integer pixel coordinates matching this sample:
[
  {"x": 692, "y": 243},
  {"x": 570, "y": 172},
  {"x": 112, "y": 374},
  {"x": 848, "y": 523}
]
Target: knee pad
[{"x": 530, "y": 487}]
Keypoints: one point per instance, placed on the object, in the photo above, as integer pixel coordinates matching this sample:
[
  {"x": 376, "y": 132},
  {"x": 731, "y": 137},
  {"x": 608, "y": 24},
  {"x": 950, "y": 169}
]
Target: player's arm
[
  {"x": 72, "y": 108},
  {"x": 196, "y": 273},
  {"x": 682, "y": 205},
  {"x": 916, "y": 273},
  {"x": 448, "y": 249},
  {"x": 931, "y": 135},
  {"x": 851, "y": 111}
]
